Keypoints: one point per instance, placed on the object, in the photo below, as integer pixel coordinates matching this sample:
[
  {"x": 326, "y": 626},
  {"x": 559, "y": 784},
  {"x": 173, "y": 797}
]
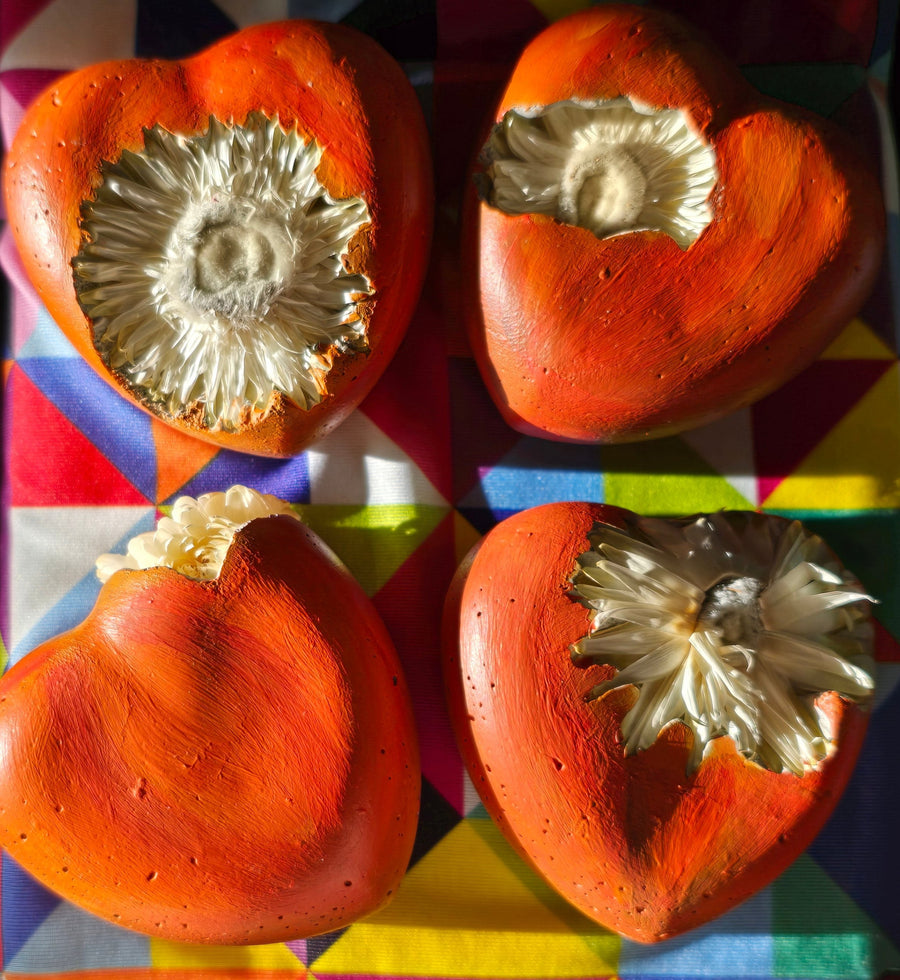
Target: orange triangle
[
  {"x": 179, "y": 458},
  {"x": 52, "y": 462}
]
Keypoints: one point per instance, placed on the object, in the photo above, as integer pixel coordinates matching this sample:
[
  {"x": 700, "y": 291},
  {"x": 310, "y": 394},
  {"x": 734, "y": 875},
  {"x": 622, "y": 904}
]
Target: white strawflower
[
  {"x": 731, "y": 624},
  {"x": 213, "y": 271},
  {"x": 611, "y": 167},
  {"x": 196, "y": 538}
]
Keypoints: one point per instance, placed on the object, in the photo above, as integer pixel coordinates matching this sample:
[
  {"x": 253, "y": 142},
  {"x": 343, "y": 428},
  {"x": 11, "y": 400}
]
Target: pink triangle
[
  {"x": 16, "y": 16},
  {"x": 410, "y": 404},
  {"x": 20, "y": 86},
  {"x": 791, "y": 422},
  {"x": 51, "y": 462},
  {"x": 413, "y": 617},
  {"x": 25, "y": 304}
]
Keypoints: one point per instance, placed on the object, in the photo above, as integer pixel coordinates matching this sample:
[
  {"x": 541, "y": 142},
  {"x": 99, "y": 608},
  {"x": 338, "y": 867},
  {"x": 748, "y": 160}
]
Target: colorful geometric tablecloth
[{"x": 410, "y": 481}]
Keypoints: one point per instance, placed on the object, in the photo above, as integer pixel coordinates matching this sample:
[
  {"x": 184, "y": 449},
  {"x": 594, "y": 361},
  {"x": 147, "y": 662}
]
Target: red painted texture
[
  {"x": 634, "y": 842},
  {"x": 630, "y": 337},
  {"x": 230, "y": 761},
  {"x": 335, "y": 85}
]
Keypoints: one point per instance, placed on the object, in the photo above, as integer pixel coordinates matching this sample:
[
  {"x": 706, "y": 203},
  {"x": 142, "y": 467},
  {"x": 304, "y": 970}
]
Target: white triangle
[
  {"x": 63, "y": 38},
  {"x": 52, "y": 550},
  {"x": 359, "y": 464},
  {"x": 727, "y": 445},
  {"x": 70, "y": 939}
]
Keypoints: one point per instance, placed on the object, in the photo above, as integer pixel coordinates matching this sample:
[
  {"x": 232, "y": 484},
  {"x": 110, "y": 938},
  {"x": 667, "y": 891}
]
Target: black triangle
[
  {"x": 317, "y": 946},
  {"x": 178, "y": 28},
  {"x": 406, "y": 29},
  {"x": 436, "y": 819}
]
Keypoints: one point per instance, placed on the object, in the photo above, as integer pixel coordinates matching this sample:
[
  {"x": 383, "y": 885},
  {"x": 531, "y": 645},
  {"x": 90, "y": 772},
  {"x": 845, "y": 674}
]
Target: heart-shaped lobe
[
  {"x": 656, "y": 798},
  {"x": 236, "y": 241},
  {"x": 227, "y": 761},
  {"x": 653, "y": 243}
]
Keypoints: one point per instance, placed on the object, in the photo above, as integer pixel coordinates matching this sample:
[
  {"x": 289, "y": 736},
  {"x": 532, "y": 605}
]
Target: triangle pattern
[
  {"x": 372, "y": 541},
  {"x": 813, "y": 403},
  {"x": 15, "y": 19},
  {"x": 436, "y": 819},
  {"x": 33, "y": 902},
  {"x": 647, "y": 477},
  {"x": 410, "y": 403},
  {"x": 854, "y": 870},
  {"x": 25, "y": 307},
  {"x": 465, "y": 537},
  {"x": 99, "y": 946},
  {"x": 317, "y": 946},
  {"x": 48, "y": 41},
  {"x": 166, "y": 30},
  {"x": 89, "y": 402},
  {"x": 46, "y": 340},
  {"x": 359, "y": 462},
  {"x": 284, "y": 478},
  {"x": 727, "y": 446},
  {"x": 42, "y": 606},
  {"x": 857, "y": 342},
  {"x": 536, "y": 471},
  {"x": 179, "y": 458},
  {"x": 737, "y": 944},
  {"x": 491, "y": 923},
  {"x": 166, "y": 955},
  {"x": 821, "y": 933},
  {"x": 854, "y": 467},
  {"x": 413, "y": 618},
  {"x": 61, "y": 463}
]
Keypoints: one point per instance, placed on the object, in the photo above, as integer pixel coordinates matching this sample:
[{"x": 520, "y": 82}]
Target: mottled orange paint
[
  {"x": 335, "y": 85},
  {"x": 630, "y": 337},
  {"x": 633, "y": 842},
  {"x": 230, "y": 761}
]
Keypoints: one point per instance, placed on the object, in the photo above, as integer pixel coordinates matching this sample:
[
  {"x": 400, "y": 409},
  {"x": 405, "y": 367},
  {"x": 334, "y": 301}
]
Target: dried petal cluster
[
  {"x": 197, "y": 536},
  {"x": 213, "y": 271},
  {"x": 731, "y": 624},
  {"x": 611, "y": 167}
]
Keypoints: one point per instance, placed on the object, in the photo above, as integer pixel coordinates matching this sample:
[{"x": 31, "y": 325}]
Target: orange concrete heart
[
  {"x": 656, "y": 797},
  {"x": 229, "y": 761},
  {"x": 653, "y": 242}
]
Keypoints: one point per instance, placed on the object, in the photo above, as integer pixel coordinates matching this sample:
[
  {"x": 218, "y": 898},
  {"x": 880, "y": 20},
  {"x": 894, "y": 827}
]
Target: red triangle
[
  {"x": 413, "y": 618},
  {"x": 410, "y": 404},
  {"x": 791, "y": 422},
  {"x": 16, "y": 16},
  {"x": 51, "y": 462}
]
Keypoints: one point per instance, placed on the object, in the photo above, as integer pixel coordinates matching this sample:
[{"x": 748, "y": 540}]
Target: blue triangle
[
  {"x": 26, "y": 904},
  {"x": 859, "y": 847},
  {"x": 74, "y": 606},
  {"x": 121, "y": 431},
  {"x": 284, "y": 478},
  {"x": 46, "y": 340},
  {"x": 536, "y": 471}
]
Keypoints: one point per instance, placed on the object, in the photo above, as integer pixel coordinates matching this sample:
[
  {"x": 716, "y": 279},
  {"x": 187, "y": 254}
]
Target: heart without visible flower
[{"x": 731, "y": 624}]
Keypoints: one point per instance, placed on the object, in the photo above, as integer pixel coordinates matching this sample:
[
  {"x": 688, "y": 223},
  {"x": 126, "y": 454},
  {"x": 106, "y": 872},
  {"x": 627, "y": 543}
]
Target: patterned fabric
[{"x": 407, "y": 485}]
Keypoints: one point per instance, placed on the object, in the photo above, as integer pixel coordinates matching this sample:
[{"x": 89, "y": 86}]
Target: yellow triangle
[
  {"x": 556, "y": 9},
  {"x": 463, "y": 910},
  {"x": 858, "y": 342},
  {"x": 856, "y": 465},
  {"x": 275, "y": 956},
  {"x": 465, "y": 536}
]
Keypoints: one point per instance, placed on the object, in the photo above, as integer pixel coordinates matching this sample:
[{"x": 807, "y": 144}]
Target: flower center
[
  {"x": 228, "y": 259},
  {"x": 731, "y": 609},
  {"x": 602, "y": 189}
]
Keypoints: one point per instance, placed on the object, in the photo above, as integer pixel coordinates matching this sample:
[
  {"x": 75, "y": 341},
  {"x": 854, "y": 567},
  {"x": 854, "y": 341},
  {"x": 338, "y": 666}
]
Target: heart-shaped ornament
[
  {"x": 659, "y": 715},
  {"x": 224, "y": 750},
  {"x": 653, "y": 243},
  {"x": 236, "y": 241}
]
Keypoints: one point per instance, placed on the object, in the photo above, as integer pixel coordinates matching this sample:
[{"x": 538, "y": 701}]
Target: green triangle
[
  {"x": 820, "y": 87},
  {"x": 867, "y": 542},
  {"x": 820, "y": 933},
  {"x": 373, "y": 541},
  {"x": 665, "y": 476}
]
